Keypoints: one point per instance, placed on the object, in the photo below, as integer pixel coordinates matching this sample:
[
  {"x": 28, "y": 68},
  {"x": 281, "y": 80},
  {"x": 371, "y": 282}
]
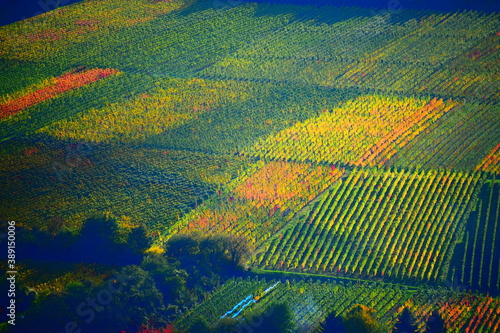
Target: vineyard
[
  {"x": 48, "y": 277},
  {"x": 491, "y": 162},
  {"x": 312, "y": 301},
  {"x": 376, "y": 223},
  {"x": 170, "y": 104},
  {"x": 74, "y": 182},
  {"x": 359, "y": 145},
  {"x": 260, "y": 201},
  {"x": 60, "y": 84},
  {"x": 478, "y": 258},
  {"x": 350, "y": 134},
  {"x": 461, "y": 311},
  {"x": 462, "y": 140},
  {"x": 399, "y": 52}
]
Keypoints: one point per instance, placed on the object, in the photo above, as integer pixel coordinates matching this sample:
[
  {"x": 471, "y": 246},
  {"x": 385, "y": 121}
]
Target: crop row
[
  {"x": 461, "y": 311},
  {"x": 222, "y": 300},
  {"x": 491, "y": 163},
  {"x": 394, "y": 224},
  {"x": 46, "y": 35},
  {"x": 459, "y": 140},
  {"x": 409, "y": 55},
  {"x": 477, "y": 262},
  {"x": 142, "y": 40},
  {"x": 312, "y": 301},
  {"x": 47, "y": 180},
  {"x": 170, "y": 104},
  {"x": 260, "y": 201},
  {"x": 192, "y": 114},
  {"x": 366, "y": 131},
  {"x": 61, "y": 84}
]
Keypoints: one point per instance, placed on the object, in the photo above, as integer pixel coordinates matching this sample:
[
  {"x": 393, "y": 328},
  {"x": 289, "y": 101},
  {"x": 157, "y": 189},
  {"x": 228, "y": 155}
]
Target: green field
[
  {"x": 337, "y": 141},
  {"x": 313, "y": 299}
]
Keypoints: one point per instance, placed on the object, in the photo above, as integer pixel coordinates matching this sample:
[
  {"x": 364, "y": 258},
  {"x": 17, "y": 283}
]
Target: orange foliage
[
  {"x": 208, "y": 218},
  {"x": 491, "y": 163},
  {"x": 48, "y": 35},
  {"x": 279, "y": 184},
  {"x": 409, "y": 128},
  {"x": 63, "y": 83},
  {"x": 483, "y": 316},
  {"x": 262, "y": 200}
]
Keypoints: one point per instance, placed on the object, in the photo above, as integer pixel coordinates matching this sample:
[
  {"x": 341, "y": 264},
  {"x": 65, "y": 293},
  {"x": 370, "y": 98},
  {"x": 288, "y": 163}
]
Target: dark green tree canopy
[
  {"x": 333, "y": 324},
  {"x": 405, "y": 323},
  {"x": 361, "y": 319},
  {"x": 278, "y": 318}
]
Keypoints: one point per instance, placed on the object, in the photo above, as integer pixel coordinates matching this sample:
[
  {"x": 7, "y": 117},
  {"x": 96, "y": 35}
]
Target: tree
[
  {"x": 169, "y": 280},
  {"x": 220, "y": 254},
  {"x": 138, "y": 240},
  {"x": 333, "y": 324},
  {"x": 127, "y": 305},
  {"x": 101, "y": 242},
  {"x": 238, "y": 249},
  {"x": 405, "y": 322},
  {"x": 182, "y": 246},
  {"x": 435, "y": 324},
  {"x": 214, "y": 257},
  {"x": 154, "y": 329},
  {"x": 100, "y": 229},
  {"x": 361, "y": 319},
  {"x": 277, "y": 318},
  {"x": 55, "y": 224}
]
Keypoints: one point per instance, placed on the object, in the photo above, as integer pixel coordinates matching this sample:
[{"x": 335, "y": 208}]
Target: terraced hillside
[{"x": 355, "y": 144}]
